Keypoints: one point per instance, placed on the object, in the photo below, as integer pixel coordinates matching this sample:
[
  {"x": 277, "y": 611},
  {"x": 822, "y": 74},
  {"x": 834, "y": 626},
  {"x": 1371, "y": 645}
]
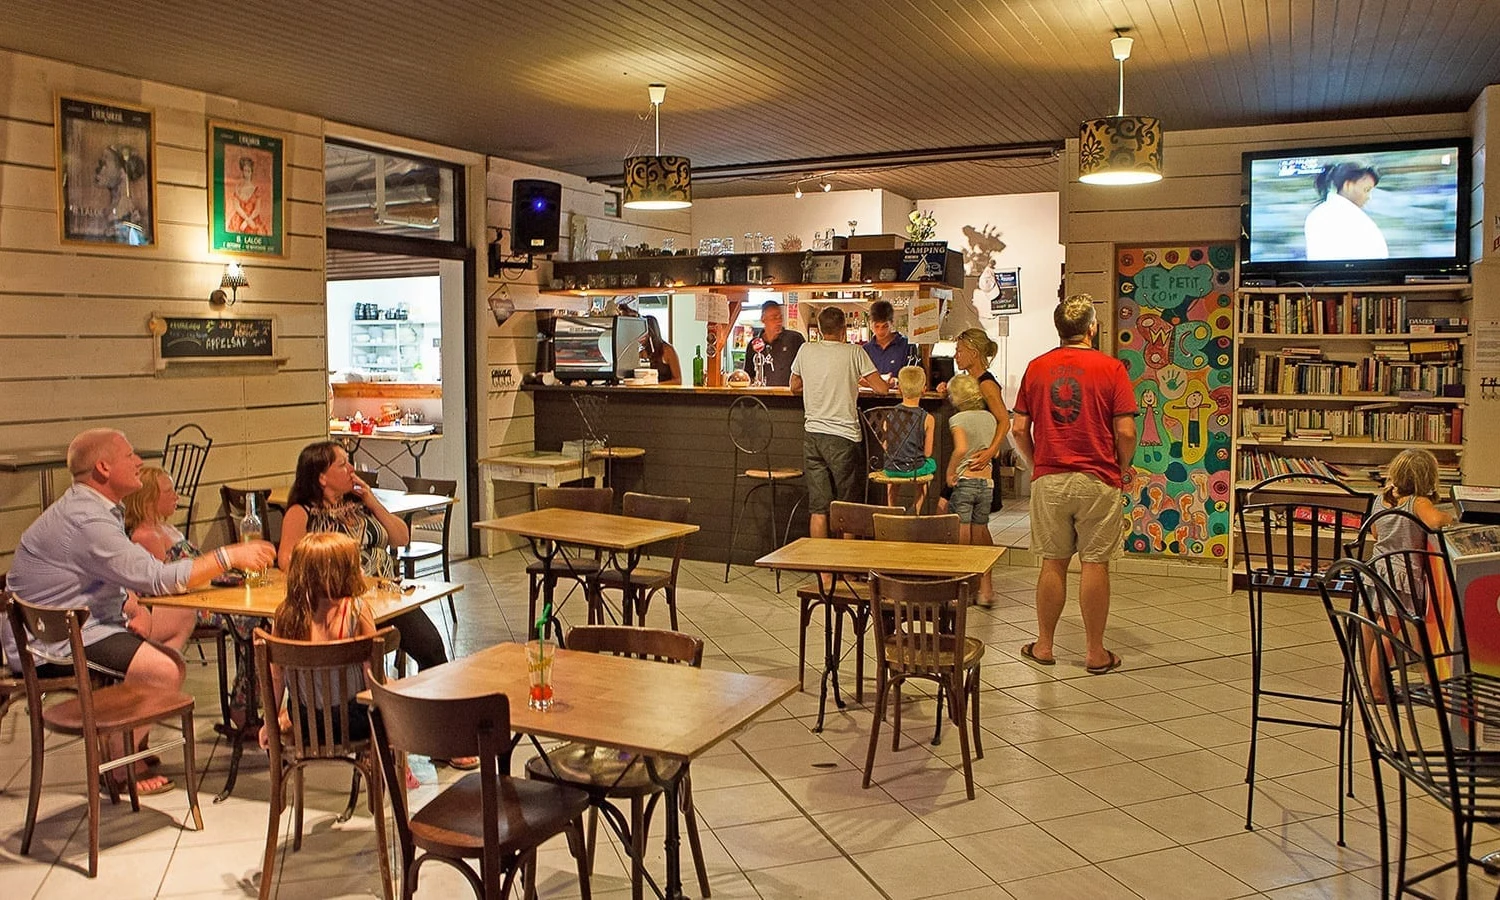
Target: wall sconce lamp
[{"x": 234, "y": 279}]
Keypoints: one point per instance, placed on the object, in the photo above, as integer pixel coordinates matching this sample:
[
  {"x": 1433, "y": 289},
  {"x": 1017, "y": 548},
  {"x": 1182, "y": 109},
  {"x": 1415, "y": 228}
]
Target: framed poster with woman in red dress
[{"x": 246, "y": 191}]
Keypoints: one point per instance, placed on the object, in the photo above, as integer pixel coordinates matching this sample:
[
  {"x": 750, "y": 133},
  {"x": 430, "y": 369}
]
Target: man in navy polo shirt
[{"x": 888, "y": 348}]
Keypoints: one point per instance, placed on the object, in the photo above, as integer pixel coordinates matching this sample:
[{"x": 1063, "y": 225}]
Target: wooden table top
[
  {"x": 886, "y": 557},
  {"x": 634, "y": 705},
  {"x": 588, "y": 529},
  {"x": 541, "y": 459},
  {"x": 400, "y": 503},
  {"x": 262, "y": 601}
]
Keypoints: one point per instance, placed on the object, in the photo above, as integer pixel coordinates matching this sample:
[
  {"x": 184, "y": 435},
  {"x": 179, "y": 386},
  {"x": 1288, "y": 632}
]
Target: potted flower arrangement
[{"x": 921, "y": 225}]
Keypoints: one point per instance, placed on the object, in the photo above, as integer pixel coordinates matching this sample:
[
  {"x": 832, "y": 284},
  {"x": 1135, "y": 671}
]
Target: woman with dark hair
[
  {"x": 1338, "y": 227},
  {"x": 663, "y": 358},
  {"x": 327, "y": 495}
]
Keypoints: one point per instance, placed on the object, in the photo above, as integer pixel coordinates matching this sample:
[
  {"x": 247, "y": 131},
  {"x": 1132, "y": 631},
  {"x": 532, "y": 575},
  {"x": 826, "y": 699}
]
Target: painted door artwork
[{"x": 1174, "y": 325}]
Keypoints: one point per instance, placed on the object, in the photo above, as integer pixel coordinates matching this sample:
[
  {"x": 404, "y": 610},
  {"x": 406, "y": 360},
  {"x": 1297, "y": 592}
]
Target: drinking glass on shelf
[{"x": 729, "y": 245}]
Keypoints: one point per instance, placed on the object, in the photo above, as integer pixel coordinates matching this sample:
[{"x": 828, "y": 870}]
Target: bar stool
[
  {"x": 592, "y": 415},
  {"x": 751, "y": 432},
  {"x": 878, "y": 436}
]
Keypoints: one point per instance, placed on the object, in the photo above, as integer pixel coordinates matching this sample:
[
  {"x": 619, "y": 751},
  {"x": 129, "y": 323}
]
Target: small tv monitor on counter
[
  {"x": 1378, "y": 213},
  {"x": 596, "y": 348}
]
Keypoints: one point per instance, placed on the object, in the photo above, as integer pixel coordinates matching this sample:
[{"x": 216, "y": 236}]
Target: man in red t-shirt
[{"x": 1075, "y": 419}]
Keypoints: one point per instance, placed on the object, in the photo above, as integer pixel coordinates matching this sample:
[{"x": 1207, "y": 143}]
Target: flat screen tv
[{"x": 1357, "y": 214}]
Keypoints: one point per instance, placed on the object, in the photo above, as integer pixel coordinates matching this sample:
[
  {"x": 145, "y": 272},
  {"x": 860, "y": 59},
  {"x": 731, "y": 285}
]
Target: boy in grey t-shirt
[
  {"x": 973, "y": 428},
  {"x": 828, "y": 374}
]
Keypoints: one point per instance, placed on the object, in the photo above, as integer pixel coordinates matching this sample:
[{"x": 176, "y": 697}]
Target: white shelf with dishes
[
  {"x": 1337, "y": 380},
  {"x": 386, "y": 345}
]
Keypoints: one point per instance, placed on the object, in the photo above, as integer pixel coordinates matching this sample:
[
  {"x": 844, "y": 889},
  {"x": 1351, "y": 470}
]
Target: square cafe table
[
  {"x": 550, "y": 530},
  {"x": 260, "y": 603},
  {"x": 843, "y": 558},
  {"x": 638, "y": 706}
]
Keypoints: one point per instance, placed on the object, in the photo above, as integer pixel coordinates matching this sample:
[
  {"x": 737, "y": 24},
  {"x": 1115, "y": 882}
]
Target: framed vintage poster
[
  {"x": 246, "y": 191},
  {"x": 106, "y": 172}
]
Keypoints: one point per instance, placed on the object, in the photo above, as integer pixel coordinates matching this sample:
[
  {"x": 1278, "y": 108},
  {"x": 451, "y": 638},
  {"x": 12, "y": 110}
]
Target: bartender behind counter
[
  {"x": 888, "y": 348},
  {"x": 659, "y": 354},
  {"x": 778, "y": 341}
]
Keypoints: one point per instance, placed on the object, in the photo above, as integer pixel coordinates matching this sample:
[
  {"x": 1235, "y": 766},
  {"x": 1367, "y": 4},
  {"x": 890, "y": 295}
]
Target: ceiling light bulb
[
  {"x": 826, "y": 186},
  {"x": 798, "y": 192}
]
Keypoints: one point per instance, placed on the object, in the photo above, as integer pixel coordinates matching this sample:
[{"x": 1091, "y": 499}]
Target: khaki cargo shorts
[{"x": 1076, "y": 513}]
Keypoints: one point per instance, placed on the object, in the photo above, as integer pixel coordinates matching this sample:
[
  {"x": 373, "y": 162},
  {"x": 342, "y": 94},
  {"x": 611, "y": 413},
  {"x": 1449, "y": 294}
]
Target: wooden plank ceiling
[{"x": 562, "y": 83}]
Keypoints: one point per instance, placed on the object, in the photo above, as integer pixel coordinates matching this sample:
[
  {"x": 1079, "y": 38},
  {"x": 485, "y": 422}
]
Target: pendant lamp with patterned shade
[
  {"x": 1120, "y": 149},
  {"x": 658, "y": 182}
]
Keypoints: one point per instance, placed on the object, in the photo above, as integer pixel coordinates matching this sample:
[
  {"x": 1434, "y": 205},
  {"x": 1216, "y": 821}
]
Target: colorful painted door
[{"x": 1175, "y": 335}]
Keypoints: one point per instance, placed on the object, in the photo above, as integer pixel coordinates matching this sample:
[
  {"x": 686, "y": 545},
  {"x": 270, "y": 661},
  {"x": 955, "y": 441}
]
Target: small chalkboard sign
[{"x": 213, "y": 339}]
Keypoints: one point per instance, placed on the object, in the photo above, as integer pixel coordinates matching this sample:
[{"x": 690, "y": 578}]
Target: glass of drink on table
[
  {"x": 539, "y": 656},
  {"x": 252, "y": 530}
]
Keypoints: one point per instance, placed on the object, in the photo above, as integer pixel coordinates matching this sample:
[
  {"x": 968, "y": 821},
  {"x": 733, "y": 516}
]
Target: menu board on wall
[{"x": 213, "y": 339}]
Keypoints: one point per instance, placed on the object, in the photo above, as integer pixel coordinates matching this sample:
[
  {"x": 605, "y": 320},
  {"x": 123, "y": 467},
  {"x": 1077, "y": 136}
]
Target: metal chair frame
[
  {"x": 183, "y": 459},
  {"x": 751, "y": 431},
  {"x": 1285, "y": 560}
]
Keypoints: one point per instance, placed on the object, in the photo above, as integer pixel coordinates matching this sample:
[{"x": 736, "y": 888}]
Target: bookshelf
[{"x": 1337, "y": 380}]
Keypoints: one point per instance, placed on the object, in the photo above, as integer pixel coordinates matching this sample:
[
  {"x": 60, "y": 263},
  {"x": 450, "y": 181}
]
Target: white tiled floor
[{"x": 1125, "y": 785}]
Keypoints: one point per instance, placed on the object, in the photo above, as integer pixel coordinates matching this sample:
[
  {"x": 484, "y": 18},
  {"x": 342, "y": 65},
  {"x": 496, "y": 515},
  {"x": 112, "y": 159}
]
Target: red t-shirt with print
[{"x": 1072, "y": 395}]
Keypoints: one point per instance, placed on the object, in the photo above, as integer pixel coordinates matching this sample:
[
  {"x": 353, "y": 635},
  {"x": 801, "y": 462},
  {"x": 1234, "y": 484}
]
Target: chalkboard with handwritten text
[{"x": 213, "y": 339}]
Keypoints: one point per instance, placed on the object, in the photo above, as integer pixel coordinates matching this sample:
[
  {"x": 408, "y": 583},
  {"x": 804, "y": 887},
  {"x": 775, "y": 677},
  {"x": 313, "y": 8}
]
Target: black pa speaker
[{"x": 535, "y": 216}]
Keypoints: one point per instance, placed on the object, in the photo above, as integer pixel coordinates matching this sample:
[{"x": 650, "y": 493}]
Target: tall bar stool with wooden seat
[
  {"x": 593, "y": 411},
  {"x": 751, "y": 431},
  {"x": 879, "y": 434}
]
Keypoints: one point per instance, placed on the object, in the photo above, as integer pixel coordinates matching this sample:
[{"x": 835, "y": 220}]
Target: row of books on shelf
[
  {"x": 1424, "y": 424},
  {"x": 1349, "y": 314},
  {"x": 1445, "y": 350},
  {"x": 1299, "y": 372},
  {"x": 1254, "y": 465}
]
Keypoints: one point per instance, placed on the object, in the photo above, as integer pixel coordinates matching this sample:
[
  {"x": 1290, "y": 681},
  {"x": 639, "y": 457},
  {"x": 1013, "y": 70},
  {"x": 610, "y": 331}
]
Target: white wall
[
  {"x": 1027, "y": 225},
  {"x": 421, "y": 295},
  {"x": 784, "y": 214}
]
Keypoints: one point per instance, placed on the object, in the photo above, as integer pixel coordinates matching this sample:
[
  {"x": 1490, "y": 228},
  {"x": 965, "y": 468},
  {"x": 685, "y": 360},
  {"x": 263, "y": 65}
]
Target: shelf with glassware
[
  {"x": 819, "y": 270},
  {"x": 1337, "y": 380},
  {"x": 386, "y": 346}
]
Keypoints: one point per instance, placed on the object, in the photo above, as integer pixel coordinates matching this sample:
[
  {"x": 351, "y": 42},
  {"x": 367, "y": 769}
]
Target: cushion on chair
[
  {"x": 600, "y": 769},
  {"x": 527, "y": 809}
]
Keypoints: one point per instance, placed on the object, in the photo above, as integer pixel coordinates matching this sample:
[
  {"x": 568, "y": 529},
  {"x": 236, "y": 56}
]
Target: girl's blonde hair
[
  {"x": 964, "y": 393},
  {"x": 325, "y": 568},
  {"x": 140, "y": 504},
  {"x": 978, "y": 340},
  {"x": 1413, "y": 473}
]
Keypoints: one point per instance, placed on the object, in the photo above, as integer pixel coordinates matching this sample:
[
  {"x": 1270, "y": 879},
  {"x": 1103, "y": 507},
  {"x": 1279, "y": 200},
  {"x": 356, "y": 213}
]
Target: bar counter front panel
[{"x": 685, "y": 433}]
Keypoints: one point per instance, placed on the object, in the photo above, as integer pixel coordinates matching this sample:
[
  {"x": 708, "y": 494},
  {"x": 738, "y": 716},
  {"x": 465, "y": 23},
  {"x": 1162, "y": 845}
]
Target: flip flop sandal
[
  {"x": 1115, "y": 662},
  {"x": 1027, "y": 651},
  {"x": 124, "y": 789},
  {"x": 463, "y": 764}
]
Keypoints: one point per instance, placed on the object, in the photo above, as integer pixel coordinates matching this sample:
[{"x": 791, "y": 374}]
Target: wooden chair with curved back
[
  {"x": 607, "y": 775},
  {"x": 850, "y": 596},
  {"x": 644, "y": 583},
  {"x": 486, "y": 815},
  {"x": 925, "y": 637},
  {"x": 328, "y": 726},
  {"x": 95, "y": 714},
  {"x": 917, "y": 529},
  {"x": 578, "y": 568}
]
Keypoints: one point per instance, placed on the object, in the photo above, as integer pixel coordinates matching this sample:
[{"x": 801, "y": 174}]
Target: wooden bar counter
[{"x": 685, "y": 433}]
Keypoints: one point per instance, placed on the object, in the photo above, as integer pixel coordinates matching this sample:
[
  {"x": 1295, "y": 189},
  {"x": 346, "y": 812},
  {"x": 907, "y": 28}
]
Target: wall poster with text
[
  {"x": 1174, "y": 310},
  {"x": 106, "y": 172},
  {"x": 246, "y": 191}
]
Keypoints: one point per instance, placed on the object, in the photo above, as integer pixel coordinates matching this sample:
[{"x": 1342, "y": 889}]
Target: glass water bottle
[{"x": 251, "y": 529}]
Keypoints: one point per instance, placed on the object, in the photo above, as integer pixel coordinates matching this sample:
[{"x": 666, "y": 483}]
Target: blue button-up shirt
[
  {"x": 889, "y": 360},
  {"x": 77, "y": 553}
]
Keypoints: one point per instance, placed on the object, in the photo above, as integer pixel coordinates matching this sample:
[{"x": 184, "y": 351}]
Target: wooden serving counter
[{"x": 685, "y": 433}]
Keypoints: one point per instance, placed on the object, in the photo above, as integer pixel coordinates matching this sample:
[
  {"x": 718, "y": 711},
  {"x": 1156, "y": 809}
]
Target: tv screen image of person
[{"x": 1392, "y": 208}]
